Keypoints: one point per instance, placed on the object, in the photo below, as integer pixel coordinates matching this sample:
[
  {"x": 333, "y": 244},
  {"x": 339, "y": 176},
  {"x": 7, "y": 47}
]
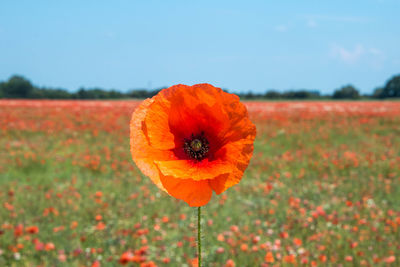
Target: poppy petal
[
  {"x": 199, "y": 119},
  {"x": 187, "y": 169},
  {"x": 156, "y": 121},
  {"x": 194, "y": 193},
  {"x": 241, "y": 155},
  {"x": 218, "y": 184},
  {"x": 163, "y": 127},
  {"x": 143, "y": 154}
]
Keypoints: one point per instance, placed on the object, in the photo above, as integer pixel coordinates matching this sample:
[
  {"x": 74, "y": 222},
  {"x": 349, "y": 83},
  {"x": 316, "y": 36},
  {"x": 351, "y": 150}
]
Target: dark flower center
[{"x": 196, "y": 147}]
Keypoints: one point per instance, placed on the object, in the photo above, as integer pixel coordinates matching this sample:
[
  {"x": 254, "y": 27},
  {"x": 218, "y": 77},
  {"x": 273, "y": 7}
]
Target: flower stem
[{"x": 199, "y": 236}]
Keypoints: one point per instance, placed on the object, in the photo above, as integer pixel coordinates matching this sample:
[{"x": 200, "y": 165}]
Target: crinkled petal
[
  {"x": 218, "y": 184},
  {"x": 194, "y": 193},
  {"x": 188, "y": 169},
  {"x": 156, "y": 120},
  {"x": 142, "y": 153},
  {"x": 187, "y": 119},
  {"x": 164, "y": 123},
  {"x": 240, "y": 154}
]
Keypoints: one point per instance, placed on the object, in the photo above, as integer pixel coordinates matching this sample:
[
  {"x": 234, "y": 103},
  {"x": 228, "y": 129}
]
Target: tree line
[{"x": 19, "y": 87}]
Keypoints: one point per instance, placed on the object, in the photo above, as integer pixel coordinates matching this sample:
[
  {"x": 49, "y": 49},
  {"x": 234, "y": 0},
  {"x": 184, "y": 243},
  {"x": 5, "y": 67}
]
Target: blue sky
[{"x": 239, "y": 45}]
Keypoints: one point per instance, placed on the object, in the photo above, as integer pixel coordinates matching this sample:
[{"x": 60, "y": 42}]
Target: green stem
[{"x": 199, "y": 235}]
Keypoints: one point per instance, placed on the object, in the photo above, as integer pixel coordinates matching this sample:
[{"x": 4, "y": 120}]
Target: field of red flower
[{"x": 323, "y": 188}]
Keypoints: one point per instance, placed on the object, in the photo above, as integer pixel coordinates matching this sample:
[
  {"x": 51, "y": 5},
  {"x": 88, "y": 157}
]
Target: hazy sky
[{"x": 239, "y": 45}]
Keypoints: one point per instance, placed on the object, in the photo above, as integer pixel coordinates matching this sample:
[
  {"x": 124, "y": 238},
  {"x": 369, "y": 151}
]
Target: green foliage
[
  {"x": 50, "y": 93},
  {"x": 346, "y": 92},
  {"x": 143, "y": 93},
  {"x": 301, "y": 94},
  {"x": 377, "y": 92},
  {"x": 17, "y": 87},
  {"x": 20, "y": 87},
  {"x": 273, "y": 94},
  {"x": 97, "y": 93},
  {"x": 392, "y": 88},
  {"x": 1, "y": 89}
]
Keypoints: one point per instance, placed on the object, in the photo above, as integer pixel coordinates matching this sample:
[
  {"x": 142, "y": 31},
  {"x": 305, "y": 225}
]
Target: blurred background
[
  {"x": 322, "y": 188},
  {"x": 250, "y": 48}
]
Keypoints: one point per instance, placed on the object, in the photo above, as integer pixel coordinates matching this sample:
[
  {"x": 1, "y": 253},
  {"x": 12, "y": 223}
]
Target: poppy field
[{"x": 322, "y": 189}]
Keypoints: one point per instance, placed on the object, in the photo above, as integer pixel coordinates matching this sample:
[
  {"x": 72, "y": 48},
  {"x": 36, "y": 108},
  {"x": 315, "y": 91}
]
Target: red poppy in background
[
  {"x": 32, "y": 229},
  {"x": 192, "y": 140}
]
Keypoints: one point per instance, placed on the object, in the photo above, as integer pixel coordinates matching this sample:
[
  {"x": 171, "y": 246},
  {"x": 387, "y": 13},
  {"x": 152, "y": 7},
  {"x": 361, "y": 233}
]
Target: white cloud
[
  {"x": 371, "y": 56},
  {"x": 334, "y": 18},
  {"x": 109, "y": 35},
  {"x": 281, "y": 28},
  {"x": 349, "y": 56},
  {"x": 375, "y": 51},
  {"x": 311, "y": 23},
  {"x": 314, "y": 20}
]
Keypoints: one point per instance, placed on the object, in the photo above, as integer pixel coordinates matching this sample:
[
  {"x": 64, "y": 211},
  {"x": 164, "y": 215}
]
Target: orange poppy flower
[{"x": 192, "y": 140}]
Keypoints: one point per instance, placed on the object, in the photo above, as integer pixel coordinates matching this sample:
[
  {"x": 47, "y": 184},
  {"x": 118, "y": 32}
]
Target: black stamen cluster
[{"x": 196, "y": 147}]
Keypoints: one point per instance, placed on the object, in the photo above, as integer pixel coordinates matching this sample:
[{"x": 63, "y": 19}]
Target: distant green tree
[
  {"x": 273, "y": 94},
  {"x": 82, "y": 94},
  {"x": 156, "y": 91},
  {"x": 143, "y": 93},
  {"x": 17, "y": 87},
  {"x": 301, "y": 94},
  {"x": 249, "y": 95},
  {"x": 50, "y": 93},
  {"x": 392, "y": 87},
  {"x": 115, "y": 94},
  {"x": 1, "y": 89},
  {"x": 377, "y": 93},
  {"x": 346, "y": 92},
  {"x": 138, "y": 93}
]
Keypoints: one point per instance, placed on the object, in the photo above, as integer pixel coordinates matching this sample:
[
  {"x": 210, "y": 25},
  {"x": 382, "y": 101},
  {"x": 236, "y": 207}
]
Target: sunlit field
[{"x": 322, "y": 189}]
